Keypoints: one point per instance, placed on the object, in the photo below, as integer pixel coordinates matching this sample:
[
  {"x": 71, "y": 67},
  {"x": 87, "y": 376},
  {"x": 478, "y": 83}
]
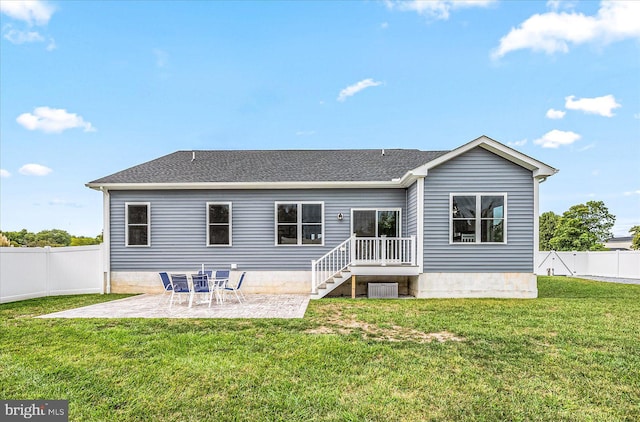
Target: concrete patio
[{"x": 157, "y": 306}]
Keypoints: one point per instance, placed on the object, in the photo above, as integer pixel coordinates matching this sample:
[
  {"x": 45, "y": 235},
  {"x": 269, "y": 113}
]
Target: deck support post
[{"x": 353, "y": 287}]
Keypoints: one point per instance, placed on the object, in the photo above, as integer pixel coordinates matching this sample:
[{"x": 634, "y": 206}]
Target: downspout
[
  {"x": 536, "y": 216},
  {"x": 536, "y": 220},
  {"x": 106, "y": 237}
]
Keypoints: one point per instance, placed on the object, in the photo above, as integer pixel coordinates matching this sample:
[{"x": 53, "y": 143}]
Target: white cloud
[
  {"x": 587, "y": 147},
  {"x": 305, "y": 133},
  {"x": 636, "y": 116},
  {"x": 517, "y": 143},
  {"x": 554, "y": 31},
  {"x": 437, "y": 9},
  {"x": 556, "y": 138},
  {"x": 556, "y": 5},
  {"x": 357, "y": 87},
  {"x": 384, "y": 25},
  {"x": 4, "y": 173},
  {"x": 64, "y": 203},
  {"x": 16, "y": 36},
  {"x": 53, "y": 120},
  {"x": 598, "y": 105},
  {"x": 34, "y": 170},
  {"x": 635, "y": 192},
  {"x": 555, "y": 114},
  {"x": 30, "y": 11}
]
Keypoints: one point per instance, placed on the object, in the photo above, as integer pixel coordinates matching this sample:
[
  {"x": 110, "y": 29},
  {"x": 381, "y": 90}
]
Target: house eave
[{"x": 392, "y": 184}]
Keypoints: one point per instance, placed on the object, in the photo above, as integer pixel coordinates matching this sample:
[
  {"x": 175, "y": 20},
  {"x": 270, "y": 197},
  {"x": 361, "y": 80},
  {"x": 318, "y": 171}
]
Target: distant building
[{"x": 619, "y": 243}]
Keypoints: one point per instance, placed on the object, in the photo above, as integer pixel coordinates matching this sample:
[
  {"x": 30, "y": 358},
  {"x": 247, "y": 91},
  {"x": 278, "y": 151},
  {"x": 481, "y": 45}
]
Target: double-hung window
[
  {"x": 218, "y": 223},
  {"x": 478, "y": 218},
  {"x": 299, "y": 223},
  {"x": 138, "y": 224}
]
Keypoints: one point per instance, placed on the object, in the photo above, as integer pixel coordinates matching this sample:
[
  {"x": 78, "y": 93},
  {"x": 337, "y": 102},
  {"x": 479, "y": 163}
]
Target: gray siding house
[{"x": 460, "y": 223}]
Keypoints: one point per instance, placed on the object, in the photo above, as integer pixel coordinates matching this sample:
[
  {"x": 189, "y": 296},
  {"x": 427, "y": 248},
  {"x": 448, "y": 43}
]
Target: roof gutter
[{"x": 391, "y": 184}]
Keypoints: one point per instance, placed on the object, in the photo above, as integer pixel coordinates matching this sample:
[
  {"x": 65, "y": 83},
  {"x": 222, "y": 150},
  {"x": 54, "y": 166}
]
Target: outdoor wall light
[{"x": 340, "y": 216}]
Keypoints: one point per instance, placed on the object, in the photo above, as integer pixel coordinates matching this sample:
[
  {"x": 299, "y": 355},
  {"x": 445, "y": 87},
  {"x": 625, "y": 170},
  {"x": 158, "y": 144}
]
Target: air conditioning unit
[{"x": 382, "y": 290}]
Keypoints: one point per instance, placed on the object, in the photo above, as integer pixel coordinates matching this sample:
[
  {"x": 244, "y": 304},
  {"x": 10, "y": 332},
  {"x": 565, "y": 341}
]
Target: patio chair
[
  {"x": 201, "y": 286},
  {"x": 209, "y": 273},
  {"x": 180, "y": 285},
  {"x": 236, "y": 289},
  {"x": 166, "y": 282},
  {"x": 220, "y": 281}
]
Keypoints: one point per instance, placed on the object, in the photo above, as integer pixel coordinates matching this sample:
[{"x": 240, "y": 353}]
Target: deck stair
[
  {"x": 358, "y": 255},
  {"x": 330, "y": 284}
]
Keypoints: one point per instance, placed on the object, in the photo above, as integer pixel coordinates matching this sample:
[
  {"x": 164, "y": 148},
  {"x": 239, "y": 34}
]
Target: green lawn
[{"x": 572, "y": 354}]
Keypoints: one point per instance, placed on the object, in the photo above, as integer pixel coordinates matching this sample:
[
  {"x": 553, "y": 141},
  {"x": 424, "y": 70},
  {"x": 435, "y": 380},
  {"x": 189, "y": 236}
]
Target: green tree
[
  {"x": 21, "y": 238},
  {"x": 584, "y": 227},
  {"x": 548, "y": 222},
  {"x": 84, "y": 241},
  {"x": 54, "y": 237},
  {"x": 635, "y": 232}
]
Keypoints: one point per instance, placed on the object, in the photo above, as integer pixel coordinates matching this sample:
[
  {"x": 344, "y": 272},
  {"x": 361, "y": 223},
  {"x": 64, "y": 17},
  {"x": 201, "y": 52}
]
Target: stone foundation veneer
[
  {"x": 266, "y": 282},
  {"x": 428, "y": 285},
  {"x": 474, "y": 285}
]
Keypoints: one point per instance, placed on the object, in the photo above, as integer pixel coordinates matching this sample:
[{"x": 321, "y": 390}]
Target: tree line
[
  {"x": 53, "y": 238},
  {"x": 583, "y": 227}
]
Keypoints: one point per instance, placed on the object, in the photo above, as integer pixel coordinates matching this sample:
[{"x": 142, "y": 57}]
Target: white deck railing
[
  {"x": 334, "y": 261},
  {"x": 380, "y": 251},
  {"x": 384, "y": 251}
]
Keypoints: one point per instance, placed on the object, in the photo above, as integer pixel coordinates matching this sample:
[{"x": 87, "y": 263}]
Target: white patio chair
[
  {"x": 180, "y": 285},
  {"x": 220, "y": 282},
  {"x": 236, "y": 289},
  {"x": 168, "y": 288},
  {"x": 201, "y": 286}
]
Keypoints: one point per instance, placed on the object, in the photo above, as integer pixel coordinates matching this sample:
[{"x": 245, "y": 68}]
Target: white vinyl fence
[
  {"x": 622, "y": 264},
  {"x": 35, "y": 272}
]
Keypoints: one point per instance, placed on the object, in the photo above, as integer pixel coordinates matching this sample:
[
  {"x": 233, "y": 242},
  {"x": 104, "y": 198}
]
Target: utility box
[{"x": 382, "y": 290}]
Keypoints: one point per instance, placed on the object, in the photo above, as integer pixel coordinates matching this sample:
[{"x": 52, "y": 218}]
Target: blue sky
[{"x": 91, "y": 88}]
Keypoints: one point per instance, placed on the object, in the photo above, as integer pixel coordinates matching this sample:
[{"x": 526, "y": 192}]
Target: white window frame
[
  {"x": 298, "y": 223},
  {"x": 478, "y": 218},
  {"x": 126, "y": 224},
  {"x": 222, "y": 245},
  {"x": 398, "y": 210}
]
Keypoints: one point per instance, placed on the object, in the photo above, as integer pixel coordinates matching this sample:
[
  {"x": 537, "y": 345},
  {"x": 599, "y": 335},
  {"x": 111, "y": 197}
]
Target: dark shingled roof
[{"x": 275, "y": 166}]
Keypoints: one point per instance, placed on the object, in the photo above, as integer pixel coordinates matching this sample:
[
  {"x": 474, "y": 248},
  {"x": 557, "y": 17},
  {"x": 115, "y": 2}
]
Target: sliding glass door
[{"x": 376, "y": 222}]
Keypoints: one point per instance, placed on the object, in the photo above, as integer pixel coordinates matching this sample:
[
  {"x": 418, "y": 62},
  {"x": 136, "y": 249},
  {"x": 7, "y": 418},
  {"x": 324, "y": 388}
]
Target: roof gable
[{"x": 538, "y": 168}]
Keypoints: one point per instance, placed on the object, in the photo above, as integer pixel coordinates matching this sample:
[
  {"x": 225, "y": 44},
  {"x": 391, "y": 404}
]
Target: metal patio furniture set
[{"x": 206, "y": 284}]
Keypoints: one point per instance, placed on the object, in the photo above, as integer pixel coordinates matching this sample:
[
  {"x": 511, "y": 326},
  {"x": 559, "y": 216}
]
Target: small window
[
  {"x": 218, "y": 224},
  {"x": 299, "y": 223},
  {"x": 478, "y": 218},
  {"x": 138, "y": 217}
]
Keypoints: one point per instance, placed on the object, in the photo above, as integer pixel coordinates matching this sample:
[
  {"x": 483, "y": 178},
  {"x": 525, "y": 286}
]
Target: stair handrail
[{"x": 331, "y": 263}]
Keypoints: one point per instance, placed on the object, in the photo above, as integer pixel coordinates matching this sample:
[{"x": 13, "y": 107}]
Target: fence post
[{"x": 47, "y": 260}]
